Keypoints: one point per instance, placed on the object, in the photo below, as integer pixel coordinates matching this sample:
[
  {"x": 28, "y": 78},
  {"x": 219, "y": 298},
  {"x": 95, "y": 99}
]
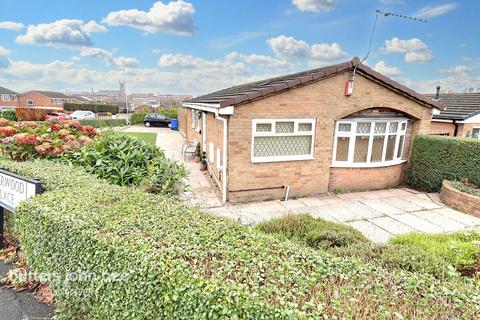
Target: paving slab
[
  {"x": 403, "y": 204},
  {"x": 444, "y": 222},
  {"x": 382, "y": 206},
  {"x": 424, "y": 203},
  {"x": 463, "y": 218},
  {"x": 319, "y": 212},
  {"x": 371, "y": 231},
  {"x": 417, "y": 223},
  {"x": 292, "y": 204},
  {"x": 391, "y": 225}
]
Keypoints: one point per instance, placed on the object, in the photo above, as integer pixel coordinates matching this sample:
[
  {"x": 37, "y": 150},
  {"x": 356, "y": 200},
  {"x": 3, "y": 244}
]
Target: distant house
[
  {"x": 8, "y": 98},
  {"x": 308, "y": 133},
  {"x": 461, "y": 116},
  {"x": 37, "y": 98}
]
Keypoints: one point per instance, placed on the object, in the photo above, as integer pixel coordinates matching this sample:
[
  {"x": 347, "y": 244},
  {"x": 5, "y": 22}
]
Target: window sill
[
  {"x": 367, "y": 165},
  {"x": 282, "y": 159}
]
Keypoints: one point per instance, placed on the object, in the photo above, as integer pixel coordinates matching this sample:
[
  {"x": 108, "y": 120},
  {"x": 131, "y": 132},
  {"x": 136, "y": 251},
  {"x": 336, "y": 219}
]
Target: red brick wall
[
  {"x": 324, "y": 101},
  {"x": 465, "y": 129},
  {"x": 353, "y": 179},
  {"x": 460, "y": 200},
  {"x": 440, "y": 128},
  {"x": 11, "y": 102},
  {"x": 38, "y": 100}
]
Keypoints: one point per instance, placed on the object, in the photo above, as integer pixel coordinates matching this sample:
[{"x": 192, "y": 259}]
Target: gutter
[{"x": 224, "y": 156}]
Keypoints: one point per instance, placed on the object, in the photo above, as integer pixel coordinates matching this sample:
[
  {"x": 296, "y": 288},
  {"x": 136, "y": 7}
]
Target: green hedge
[
  {"x": 104, "y": 123},
  {"x": 137, "y": 117},
  {"x": 143, "y": 256},
  {"x": 9, "y": 115},
  {"x": 94, "y": 107},
  {"x": 437, "y": 158}
]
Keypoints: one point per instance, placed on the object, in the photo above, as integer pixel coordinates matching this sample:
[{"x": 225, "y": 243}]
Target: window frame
[
  {"x": 30, "y": 102},
  {"x": 272, "y": 133},
  {"x": 473, "y": 129},
  {"x": 5, "y": 97},
  {"x": 352, "y": 134},
  {"x": 192, "y": 118}
]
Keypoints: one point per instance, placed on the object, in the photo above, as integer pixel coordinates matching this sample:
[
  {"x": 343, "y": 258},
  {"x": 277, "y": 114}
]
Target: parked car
[
  {"x": 57, "y": 116},
  {"x": 83, "y": 115},
  {"x": 155, "y": 119}
]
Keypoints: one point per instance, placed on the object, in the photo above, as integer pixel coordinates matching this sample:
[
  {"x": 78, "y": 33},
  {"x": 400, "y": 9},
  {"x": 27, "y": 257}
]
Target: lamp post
[{"x": 125, "y": 94}]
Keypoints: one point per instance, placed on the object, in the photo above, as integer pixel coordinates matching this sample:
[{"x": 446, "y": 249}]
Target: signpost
[{"x": 13, "y": 190}]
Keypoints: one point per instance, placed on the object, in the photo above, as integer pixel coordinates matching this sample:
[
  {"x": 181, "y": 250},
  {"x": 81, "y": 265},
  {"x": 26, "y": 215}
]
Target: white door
[{"x": 204, "y": 131}]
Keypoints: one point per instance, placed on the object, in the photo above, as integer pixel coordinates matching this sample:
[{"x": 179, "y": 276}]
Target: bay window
[
  {"x": 369, "y": 142},
  {"x": 282, "y": 139}
]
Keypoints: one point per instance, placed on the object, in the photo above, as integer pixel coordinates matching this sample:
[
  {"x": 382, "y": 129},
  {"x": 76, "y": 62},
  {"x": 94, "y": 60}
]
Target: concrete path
[
  {"x": 21, "y": 305},
  {"x": 379, "y": 215},
  {"x": 202, "y": 192}
]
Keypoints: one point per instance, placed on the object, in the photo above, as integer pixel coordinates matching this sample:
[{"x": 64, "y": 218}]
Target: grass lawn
[{"x": 148, "y": 137}]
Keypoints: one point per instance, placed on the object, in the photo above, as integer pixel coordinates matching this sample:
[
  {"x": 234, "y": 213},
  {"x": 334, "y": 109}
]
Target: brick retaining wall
[{"x": 459, "y": 200}]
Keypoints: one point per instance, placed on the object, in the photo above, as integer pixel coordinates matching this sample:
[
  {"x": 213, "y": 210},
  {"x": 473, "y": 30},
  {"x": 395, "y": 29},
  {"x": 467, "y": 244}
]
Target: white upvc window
[
  {"x": 30, "y": 102},
  {"x": 282, "y": 139},
  {"x": 199, "y": 121},
  {"x": 15, "y": 98},
  {"x": 369, "y": 142},
  {"x": 476, "y": 133},
  {"x": 192, "y": 119},
  {"x": 5, "y": 97}
]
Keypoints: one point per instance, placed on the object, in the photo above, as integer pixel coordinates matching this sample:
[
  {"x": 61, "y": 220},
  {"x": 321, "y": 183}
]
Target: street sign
[{"x": 13, "y": 190}]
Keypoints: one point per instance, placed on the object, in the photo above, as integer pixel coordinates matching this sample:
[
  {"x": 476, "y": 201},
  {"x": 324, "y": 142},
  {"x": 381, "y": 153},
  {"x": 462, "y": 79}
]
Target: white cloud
[
  {"x": 175, "y": 17},
  {"x": 289, "y": 47},
  {"x": 260, "y": 60},
  {"x": 4, "y": 61},
  {"x": 61, "y": 33},
  {"x": 416, "y": 51},
  {"x": 314, "y": 5},
  {"x": 387, "y": 70},
  {"x": 11, "y": 25},
  {"x": 457, "y": 69},
  {"x": 294, "y": 50},
  {"x": 234, "y": 40},
  {"x": 431, "y": 12},
  {"x": 125, "y": 62}
]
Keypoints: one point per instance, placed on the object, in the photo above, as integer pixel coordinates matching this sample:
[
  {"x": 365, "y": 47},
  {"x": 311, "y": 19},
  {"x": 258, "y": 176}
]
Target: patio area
[{"x": 379, "y": 215}]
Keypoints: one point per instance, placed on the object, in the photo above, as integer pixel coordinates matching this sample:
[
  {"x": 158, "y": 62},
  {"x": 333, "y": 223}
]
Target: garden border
[{"x": 460, "y": 200}]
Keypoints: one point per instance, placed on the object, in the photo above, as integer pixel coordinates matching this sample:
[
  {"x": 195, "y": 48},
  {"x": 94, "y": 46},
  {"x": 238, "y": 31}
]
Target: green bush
[
  {"x": 461, "y": 249},
  {"x": 127, "y": 161},
  {"x": 317, "y": 233},
  {"x": 94, "y": 107},
  {"x": 112, "y": 252},
  {"x": 137, "y": 117},
  {"x": 9, "y": 115},
  {"x": 104, "y": 123},
  {"x": 394, "y": 256},
  {"x": 437, "y": 158}
]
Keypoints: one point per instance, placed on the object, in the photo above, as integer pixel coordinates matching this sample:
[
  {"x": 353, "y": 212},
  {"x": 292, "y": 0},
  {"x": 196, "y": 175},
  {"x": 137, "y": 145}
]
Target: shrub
[
  {"x": 124, "y": 160},
  {"x": 137, "y": 117},
  {"x": 146, "y": 256},
  {"x": 461, "y": 249},
  {"x": 94, "y": 107},
  {"x": 317, "y": 233},
  {"x": 104, "y": 123},
  {"x": 9, "y": 115},
  {"x": 394, "y": 256},
  {"x": 34, "y": 113},
  {"x": 23, "y": 140},
  {"x": 437, "y": 158},
  {"x": 467, "y": 187}
]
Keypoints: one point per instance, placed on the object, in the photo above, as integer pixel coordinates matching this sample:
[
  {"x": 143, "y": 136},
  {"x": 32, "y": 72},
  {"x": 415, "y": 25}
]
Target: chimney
[{"x": 437, "y": 96}]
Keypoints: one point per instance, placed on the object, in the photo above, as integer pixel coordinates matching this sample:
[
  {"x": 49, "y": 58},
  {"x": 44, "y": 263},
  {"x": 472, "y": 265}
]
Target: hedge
[
  {"x": 34, "y": 113},
  {"x": 104, "y": 123},
  {"x": 94, "y": 107},
  {"x": 137, "y": 117},
  {"x": 166, "y": 260},
  {"x": 437, "y": 158},
  {"x": 8, "y": 114}
]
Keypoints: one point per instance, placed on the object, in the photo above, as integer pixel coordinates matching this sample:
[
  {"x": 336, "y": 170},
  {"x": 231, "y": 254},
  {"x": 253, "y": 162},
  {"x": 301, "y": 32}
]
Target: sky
[{"x": 199, "y": 46}]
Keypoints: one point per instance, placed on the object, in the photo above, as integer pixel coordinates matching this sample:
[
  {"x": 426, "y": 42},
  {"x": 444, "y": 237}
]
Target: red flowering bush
[{"x": 23, "y": 140}]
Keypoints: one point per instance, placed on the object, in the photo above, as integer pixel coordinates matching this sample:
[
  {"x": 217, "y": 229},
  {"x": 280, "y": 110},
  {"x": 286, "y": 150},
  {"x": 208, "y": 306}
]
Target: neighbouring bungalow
[
  {"x": 37, "y": 98},
  {"x": 308, "y": 133},
  {"x": 8, "y": 98},
  {"x": 461, "y": 116}
]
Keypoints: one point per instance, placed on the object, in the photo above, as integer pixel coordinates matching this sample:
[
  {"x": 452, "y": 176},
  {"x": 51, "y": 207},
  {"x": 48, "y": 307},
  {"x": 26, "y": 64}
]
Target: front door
[{"x": 204, "y": 131}]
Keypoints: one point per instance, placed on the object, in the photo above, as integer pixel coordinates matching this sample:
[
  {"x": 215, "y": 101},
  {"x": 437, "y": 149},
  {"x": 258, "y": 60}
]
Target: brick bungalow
[
  {"x": 44, "y": 99},
  {"x": 306, "y": 133},
  {"x": 461, "y": 116}
]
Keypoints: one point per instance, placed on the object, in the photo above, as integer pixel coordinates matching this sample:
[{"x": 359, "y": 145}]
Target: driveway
[{"x": 379, "y": 215}]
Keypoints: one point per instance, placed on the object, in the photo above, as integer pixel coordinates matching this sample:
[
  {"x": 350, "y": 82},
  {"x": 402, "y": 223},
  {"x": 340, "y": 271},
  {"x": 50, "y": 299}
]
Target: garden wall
[{"x": 459, "y": 200}]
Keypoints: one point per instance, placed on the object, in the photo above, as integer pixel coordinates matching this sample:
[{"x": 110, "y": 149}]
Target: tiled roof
[
  {"x": 260, "y": 89},
  {"x": 50, "y": 94},
  {"x": 458, "y": 106},
  {"x": 6, "y": 91}
]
